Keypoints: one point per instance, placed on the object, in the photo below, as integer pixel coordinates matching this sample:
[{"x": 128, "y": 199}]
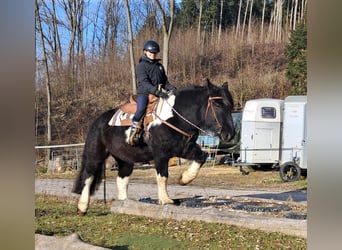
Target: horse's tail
[
  {"x": 84, "y": 174},
  {"x": 93, "y": 159}
]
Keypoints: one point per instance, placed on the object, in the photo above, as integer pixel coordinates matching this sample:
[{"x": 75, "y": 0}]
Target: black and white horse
[{"x": 172, "y": 134}]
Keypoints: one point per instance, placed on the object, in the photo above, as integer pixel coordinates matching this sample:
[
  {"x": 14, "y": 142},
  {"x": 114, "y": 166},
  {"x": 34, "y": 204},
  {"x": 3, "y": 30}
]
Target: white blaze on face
[
  {"x": 84, "y": 199},
  {"x": 122, "y": 186},
  {"x": 164, "y": 111},
  {"x": 191, "y": 173}
]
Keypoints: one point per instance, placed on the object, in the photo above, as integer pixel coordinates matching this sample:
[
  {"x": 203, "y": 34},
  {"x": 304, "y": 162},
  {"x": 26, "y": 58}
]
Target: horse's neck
[{"x": 192, "y": 108}]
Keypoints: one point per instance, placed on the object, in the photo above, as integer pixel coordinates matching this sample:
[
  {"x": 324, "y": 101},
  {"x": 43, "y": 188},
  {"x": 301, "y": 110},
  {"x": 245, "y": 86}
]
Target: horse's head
[{"x": 218, "y": 116}]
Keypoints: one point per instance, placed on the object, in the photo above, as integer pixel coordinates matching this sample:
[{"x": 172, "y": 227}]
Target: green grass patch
[{"x": 57, "y": 216}]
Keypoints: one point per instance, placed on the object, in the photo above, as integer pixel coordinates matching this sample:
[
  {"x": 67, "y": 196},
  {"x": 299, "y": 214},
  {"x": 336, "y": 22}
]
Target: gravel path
[
  {"x": 136, "y": 191},
  {"x": 63, "y": 187}
]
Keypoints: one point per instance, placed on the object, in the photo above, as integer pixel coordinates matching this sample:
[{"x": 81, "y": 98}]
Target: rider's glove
[{"x": 161, "y": 94}]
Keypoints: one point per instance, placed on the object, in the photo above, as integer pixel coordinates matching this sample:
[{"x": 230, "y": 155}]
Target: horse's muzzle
[{"x": 226, "y": 136}]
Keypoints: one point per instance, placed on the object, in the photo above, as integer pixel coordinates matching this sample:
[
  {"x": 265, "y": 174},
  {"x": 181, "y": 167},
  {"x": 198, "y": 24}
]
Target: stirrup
[{"x": 134, "y": 136}]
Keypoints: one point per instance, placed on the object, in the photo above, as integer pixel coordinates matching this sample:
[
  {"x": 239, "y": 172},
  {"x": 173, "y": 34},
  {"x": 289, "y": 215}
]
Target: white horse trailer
[
  {"x": 293, "y": 161},
  {"x": 261, "y": 131},
  {"x": 273, "y": 132}
]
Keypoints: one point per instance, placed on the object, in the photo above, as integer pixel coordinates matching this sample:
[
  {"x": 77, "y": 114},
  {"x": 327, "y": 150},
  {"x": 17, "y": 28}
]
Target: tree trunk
[
  {"x": 199, "y": 22},
  {"x": 58, "y": 48},
  {"x": 279, "y": 20},
  {"x": 220, "y": 25},
  {"x": 249, "y": 23},
  {"x": 130, "y": 44},
  {"x": 167, "y": 31},
  {"x": 244, "y": 20},
  {"x": 47, "y": 81},
  {"x": 262, "y": 22},
  {"x": 237, "y": 30},
  {"x": 295, "y": 14},
  {"x": 94, "y": 31}
]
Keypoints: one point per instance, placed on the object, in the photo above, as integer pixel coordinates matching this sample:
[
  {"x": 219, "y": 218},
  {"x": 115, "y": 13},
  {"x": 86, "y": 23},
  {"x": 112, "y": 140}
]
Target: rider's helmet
[{"x": 151, "y": 46}]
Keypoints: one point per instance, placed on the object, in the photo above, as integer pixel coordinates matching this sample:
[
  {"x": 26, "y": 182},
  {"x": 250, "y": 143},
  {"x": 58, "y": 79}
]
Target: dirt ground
[{"x": 220, "y": 176}]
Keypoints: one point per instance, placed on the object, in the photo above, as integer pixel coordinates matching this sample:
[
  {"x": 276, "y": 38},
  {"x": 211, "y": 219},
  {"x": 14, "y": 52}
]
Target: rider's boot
[{"x": 134, "y": 133}]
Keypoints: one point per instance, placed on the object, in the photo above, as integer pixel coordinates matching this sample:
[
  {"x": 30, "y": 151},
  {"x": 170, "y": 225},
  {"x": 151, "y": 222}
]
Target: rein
[{"x": 210, "y": 104}]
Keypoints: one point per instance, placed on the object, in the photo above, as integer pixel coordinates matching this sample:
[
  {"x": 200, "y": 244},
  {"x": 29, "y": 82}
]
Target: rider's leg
[{"x": 135, "y": 127}]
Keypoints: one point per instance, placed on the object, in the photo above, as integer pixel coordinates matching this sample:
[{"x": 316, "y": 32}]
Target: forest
[{"x": 86, "y": 52}]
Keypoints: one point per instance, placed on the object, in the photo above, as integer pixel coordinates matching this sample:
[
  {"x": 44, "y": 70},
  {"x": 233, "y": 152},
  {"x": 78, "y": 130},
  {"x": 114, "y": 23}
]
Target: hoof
[
  {"x": 165, "y": 202},
  {"x": 181, "y": 182},
  {"x": 80, "y": 213}
]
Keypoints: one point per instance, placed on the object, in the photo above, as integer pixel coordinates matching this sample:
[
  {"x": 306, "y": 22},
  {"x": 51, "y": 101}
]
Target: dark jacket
[{"x": 150, "y": 73}]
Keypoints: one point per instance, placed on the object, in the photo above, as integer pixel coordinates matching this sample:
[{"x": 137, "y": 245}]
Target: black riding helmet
[{"x": 151, "y": 46}]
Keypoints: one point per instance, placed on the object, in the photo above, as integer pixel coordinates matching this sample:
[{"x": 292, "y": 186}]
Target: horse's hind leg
[
  {"x": 198, "y": 158},
  {"x": 90, "y": 175},
  {"x": 122, "y": 180},
  {"x": 83, "y": 202}
]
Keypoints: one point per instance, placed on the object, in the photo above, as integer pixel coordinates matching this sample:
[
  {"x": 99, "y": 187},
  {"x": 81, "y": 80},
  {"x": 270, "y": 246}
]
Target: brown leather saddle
[{"x": 126, "y": 111}]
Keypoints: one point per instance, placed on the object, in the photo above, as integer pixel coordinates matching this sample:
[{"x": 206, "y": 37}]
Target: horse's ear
[
  {"x": 227, "y": 98},
  {"x": 208, "y": 83}
]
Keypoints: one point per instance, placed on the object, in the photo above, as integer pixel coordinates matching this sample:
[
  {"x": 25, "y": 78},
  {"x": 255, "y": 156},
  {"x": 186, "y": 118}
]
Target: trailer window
[{"x": 268, "y": 112}]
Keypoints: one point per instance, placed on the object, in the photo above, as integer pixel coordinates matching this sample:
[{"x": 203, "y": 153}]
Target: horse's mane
[{"x": 192, "y": 87}]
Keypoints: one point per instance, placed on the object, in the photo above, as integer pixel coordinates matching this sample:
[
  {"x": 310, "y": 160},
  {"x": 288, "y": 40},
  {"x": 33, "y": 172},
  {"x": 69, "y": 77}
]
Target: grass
[{"x": 57, "y": 216}]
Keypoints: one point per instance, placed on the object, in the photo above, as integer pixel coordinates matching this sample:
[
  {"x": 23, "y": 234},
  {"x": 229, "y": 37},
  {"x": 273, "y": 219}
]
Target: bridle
[{"x": 209, "y": 106}]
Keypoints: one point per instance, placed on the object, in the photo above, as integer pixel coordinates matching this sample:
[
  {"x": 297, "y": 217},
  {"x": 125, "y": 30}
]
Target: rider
[{"x": 151, "y": 80}]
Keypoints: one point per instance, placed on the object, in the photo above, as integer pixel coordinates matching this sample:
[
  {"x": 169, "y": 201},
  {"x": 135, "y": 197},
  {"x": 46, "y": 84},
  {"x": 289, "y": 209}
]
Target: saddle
[{"x": 124, "y": 115}]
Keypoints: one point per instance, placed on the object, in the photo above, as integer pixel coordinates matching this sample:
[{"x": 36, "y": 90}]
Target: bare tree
[
  {"x": 74, "y": 13},
  {"x": 237, "y": 29},
  {"x": 112, "y": 21},
  {"x": 249, "y": 22},
  {"x": 167, "y": 29},
  {"x": 275, "y": 26},
  {"x": 130, "y": 42},
  {"x": 303, "y": 9},
  {"x": 47, "y": 76},
  {"x": 220, "y": 24},
  {"x": 244, "y": 20},
  {"x": 295, "y": 14},
  {"x": 279, "y": 20},
  {"x": 51, "y": 23},
  {"x": 95, "y": 23},
  {"x": 262, "y": 22},
  {"x": 199, "y": 22}
]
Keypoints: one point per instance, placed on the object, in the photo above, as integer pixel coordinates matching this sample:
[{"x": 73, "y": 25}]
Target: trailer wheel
[{"x": 289, "y": 171}]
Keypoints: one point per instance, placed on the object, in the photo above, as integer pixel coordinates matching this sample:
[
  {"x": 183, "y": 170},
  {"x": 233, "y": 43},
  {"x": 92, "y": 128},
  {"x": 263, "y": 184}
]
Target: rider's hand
[{"x": 161, "y": 94}]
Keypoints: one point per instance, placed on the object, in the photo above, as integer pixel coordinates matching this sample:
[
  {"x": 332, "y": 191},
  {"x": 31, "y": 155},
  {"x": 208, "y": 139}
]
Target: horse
[{"x": 190, "y": 110}]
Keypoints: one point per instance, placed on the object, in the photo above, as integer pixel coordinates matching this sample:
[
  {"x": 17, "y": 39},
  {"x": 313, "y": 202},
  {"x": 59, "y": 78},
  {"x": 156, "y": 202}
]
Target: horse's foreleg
[
  {"x": 163, "y": 196},
  {"x": 83, "y": 202},
  {"x": 190, "y": 174},
  {"x": 162, "y": 174},
  {"x": 198, "y": 158},
  {"x": 122, "y": 186}
]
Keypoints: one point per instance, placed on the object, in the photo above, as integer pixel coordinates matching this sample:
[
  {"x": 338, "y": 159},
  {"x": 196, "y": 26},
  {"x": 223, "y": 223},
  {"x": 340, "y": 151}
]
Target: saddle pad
[
  {"x": 124, "y": 118},
  {"x": 121, "y": 118}
]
